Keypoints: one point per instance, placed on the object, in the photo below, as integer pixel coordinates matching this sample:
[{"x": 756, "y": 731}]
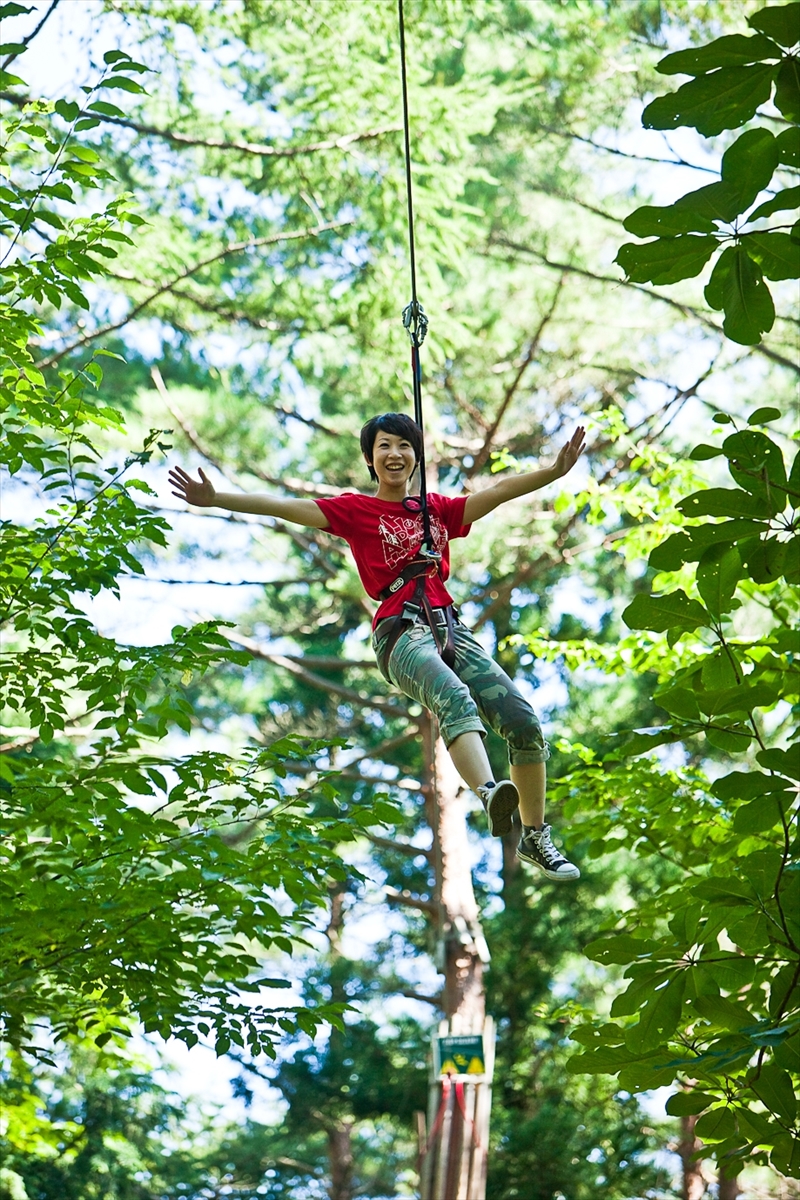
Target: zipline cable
[{"x": 414, "y": 318}]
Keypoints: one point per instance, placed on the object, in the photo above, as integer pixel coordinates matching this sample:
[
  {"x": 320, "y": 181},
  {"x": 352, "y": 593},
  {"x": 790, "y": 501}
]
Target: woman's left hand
[{"x": 568, "y": 455}]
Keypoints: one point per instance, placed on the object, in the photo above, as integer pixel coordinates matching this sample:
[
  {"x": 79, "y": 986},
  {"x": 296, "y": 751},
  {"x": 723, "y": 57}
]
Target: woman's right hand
[{"x": 201, "y": 494}]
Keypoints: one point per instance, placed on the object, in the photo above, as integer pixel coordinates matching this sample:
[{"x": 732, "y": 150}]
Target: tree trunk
[
  {"x": 728, "y": 1187},
  {"x": 454, "y": 1160},
  {"x": 694, "y": 1184},
  {"x": 340, "y": 1159}
]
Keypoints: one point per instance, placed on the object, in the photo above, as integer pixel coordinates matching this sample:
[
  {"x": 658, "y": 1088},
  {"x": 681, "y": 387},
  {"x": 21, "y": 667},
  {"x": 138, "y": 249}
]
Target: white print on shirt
[{"x": 402, "y": 536}]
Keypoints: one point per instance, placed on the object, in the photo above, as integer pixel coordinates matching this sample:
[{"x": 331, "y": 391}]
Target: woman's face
[{"x": 393, "y": 460}]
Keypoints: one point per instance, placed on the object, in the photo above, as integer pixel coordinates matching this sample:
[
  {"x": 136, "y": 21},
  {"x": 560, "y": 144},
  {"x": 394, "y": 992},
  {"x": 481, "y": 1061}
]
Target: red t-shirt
[{"x": 384, "y": 536}]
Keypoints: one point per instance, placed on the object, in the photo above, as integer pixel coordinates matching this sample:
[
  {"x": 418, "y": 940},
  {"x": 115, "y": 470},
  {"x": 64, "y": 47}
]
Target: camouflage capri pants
[{"x": 475, "y": 691}]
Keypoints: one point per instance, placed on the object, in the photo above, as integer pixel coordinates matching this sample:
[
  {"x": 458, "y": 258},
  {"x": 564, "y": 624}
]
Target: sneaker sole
[
  {"x": 501, "y": 808},
  {"x": 564, "y": 877}
]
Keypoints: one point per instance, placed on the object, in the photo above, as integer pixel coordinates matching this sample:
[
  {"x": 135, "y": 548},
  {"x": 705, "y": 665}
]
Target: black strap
[
  {"x": 412, "y": 570},
  {"x": 414, "y": 319}
]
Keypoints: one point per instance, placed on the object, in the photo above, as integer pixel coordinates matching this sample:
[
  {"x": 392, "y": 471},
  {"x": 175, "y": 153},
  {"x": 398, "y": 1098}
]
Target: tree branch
[
  {"x": 26, "y": 41},
  {"x": 257, "y": 149},
  {"x": 393, "y": 896},
  {"x": 686, "y": 309},
  {"x": 483, "y": 454},
  {"x": 401, "y": 847},
  {"x": 231, "y": 248},
  {"x": 360, "y": 699}
]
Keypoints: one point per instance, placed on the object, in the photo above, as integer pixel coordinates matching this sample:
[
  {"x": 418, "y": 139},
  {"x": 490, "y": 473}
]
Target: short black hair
[{"x": 396, "y": 423}]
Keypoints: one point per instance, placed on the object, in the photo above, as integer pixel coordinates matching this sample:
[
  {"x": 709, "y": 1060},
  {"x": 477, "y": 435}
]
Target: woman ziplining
[
  {"x": 400, "y": 544},
  {"x": 420, "y": 644}
]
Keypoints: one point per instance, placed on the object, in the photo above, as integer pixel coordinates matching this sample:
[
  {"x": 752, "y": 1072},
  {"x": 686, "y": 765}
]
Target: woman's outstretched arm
[
  {"x": 510, "y": 487},
  {"x": 203, "y": 494}
]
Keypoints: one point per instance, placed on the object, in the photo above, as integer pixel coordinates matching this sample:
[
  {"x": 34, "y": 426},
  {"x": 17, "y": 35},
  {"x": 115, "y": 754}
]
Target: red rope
[
  {"x": 446, "y": 1083},
  {"x": 467, "y": 1120}
]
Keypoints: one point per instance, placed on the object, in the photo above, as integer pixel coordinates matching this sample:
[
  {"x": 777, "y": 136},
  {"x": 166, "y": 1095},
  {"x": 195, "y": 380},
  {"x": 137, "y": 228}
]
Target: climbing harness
[{"x": 428, "y": 562}]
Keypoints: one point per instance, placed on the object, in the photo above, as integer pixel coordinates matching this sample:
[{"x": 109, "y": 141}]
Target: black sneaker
[
  {"x": 501, "y": 801},
  {"x": 536, "y": 847}
]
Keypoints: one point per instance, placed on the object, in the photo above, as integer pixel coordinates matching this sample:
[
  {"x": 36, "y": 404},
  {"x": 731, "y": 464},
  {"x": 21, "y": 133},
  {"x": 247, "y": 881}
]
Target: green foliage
[
  {"x": 136, "y": 879},
  {"x": 733, "y": 77}
]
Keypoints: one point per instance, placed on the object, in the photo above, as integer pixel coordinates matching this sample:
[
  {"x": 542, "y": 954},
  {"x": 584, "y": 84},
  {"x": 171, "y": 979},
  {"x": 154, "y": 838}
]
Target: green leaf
[
  {"x": 777, "y": 254},
  {"x": 757, "y": 1128},
  {"x": 786, "y": 1155},
  {"x": 756, "y": 464},
  {"x": 718, "y": 201},
  {"x": 749, "y": 164},
  {"x": 702, "y": 452},
  {"x": 714, "y": 290},
  {"x": 127, "y": 85},
  {"x": 729, "y": 971},
  {"x": 686, "y": 1104},
  {"x": 722, "y": 502},
  {"x": 746, "y": 785},
  {"x": 733, "y": 50},
  {"x": 787, "y": 199},
  {"x": 722, "y": 100},
  {"x": 716, "y": 1125},
  {"x": 672, "y": 611},
  {"x": 781, "y": 22},
  {"x": 660, "y": 1016},
  {"x": 764, "y": 559},
  {"x": 718, "y": 573},
  {"x": 726, "y": 1014},
  {"x": 651, "y": 221},
  {"x": 785, "y": 762},
  {"x": 67, "y": 109},
  {"x": 666, "y": 260},
  {"x": 621, "y": 948},
  {"x": 787, "y": 90},
  {"x": 678, "y": 701},
  {"x": 749, "y": 310},
  {"x": 758, "y": 816},
  {"x": 643, "y": 743},
  {"x": 788, "y": 144},
  {"x": 774, "y": 1089},
  {"x": 674, "y": 552},
  {"x": 762, "y": 416}
]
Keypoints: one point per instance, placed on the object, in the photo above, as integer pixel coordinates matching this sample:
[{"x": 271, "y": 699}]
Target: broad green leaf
[
  {"x": 756, "y": 464},
  {"x": 749, "y": 164},
  {"x": 719, "y": 670},
  {"x": 672, "y": 611},
  {"x": 775, "y": 1091},
  {"x": 643, "y": 743},
  {"x": 716, "y": 1125},
  {"x": 762, "y": 416},
  {"x": 647, "y": 1072},
  {"x": 747, "y": 785},
  {"x": 718, "y": 201},
  {"x": 718, "y": 572},
  {"x": 714, "y": 290},
  {"x": 729, "y": 971},
  {"x": 787, "y": 90},
  {"x": 781, "y": 22},
  {"x": 685, "y": 1104},
  {"x": 723, "y": 502},
  {"x": 754, "y": 932},
  {"x": 621, "y": 948},
  {"x": 733, "y": 50},
  {"x": 787, "y": 199},
  {"x": 749, "y": 310},
  {"x": 666, "y": 260},
  {"x": 727, "y": 1014},
  {"x": 788, "y": 144},
  {"x": 765, "y": 560},
  {"x": 785, "y": 761},
  {"x": 678, "y": 699},
  {"x": 674, "y": 552},
  {"x": 740, "y": 699},
  {"x": 703, "y": 453},
  {"x": 651, "y": 221},
  {"x": 787, "y": 1054},
  {"x": 659, "y": 1017},
  {"x": 777, "y": 254},
  {"x": 784, "y": 990},
  {"x": 786, "y": 1155},
  {"x": 732, "y": 737},
  {"x": 711, "y": 103},
  {"x": 757, "y": 1127}
]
